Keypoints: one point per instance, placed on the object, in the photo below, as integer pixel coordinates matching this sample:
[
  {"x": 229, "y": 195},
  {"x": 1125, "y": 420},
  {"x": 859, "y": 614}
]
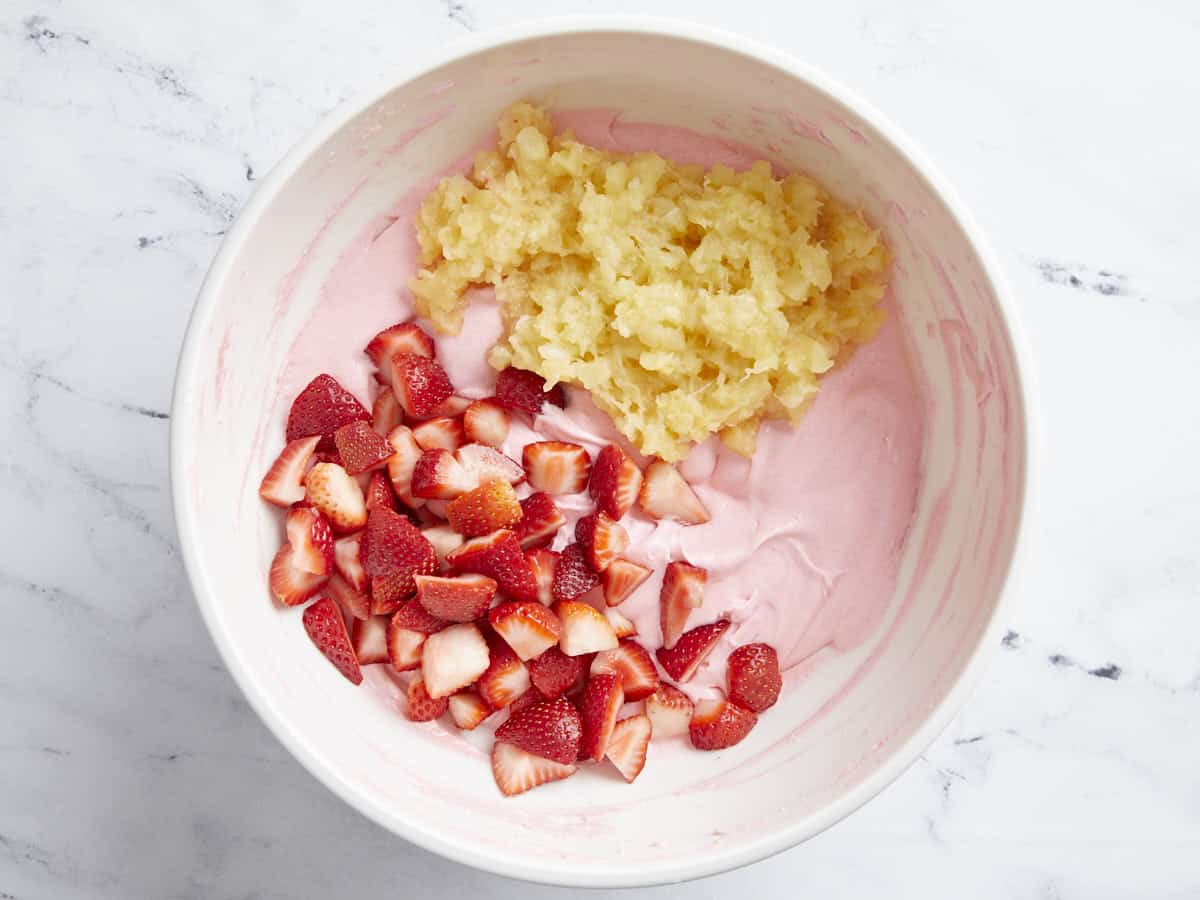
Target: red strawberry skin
[
  {"x": 754, "y": 677},
  {"x": 603, "y": 540},
  {"x": 325, "y": 626},
  {"x": 393, "y": 546},
  {"x": 540, "y": 520},
  {"x": 602, "y": 699},
  {"x": 716, "y": 732},
  {"x": 524, "y": 391},
  {"x": 322, "y": 408},
  {"x": 554, "y": 673},
  {"x": 615, "y": 482},
  {"x": 551, "y": 729},
  {"x": 573, "y": 576},
  {"x": 499, "y": 557},
  {"x": 379, "y": 492},
  {"x": 420, "y": 706},
  {"x": 361, "y": 447},
  {"x": 421, "y": 385},
  {"x": 412, "y": 616},
  {"x": 681, "y": 661},
  {"x": 461, "y": 599}
]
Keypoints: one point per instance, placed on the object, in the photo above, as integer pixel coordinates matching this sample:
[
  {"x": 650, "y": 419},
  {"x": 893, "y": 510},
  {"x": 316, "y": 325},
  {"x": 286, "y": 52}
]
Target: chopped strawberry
[
  {"x": 540, "y": 521},
  {"x": 406, "y": 453},
  {"x": 682, "y": 591},
  {"x": 347, "y": 559},
  {"x": 486, "y": 422},
  {"x": 516, "y": 771},
  {"x": 283, "y": 484},
  {"x": 453, "y": 407},
  {"x": 386, "y": 413},
  {"x": 404, "y": 647},
  {"x": 554, "y": 673},
  {"x": 526, "y": 700},
  {"x": 602, "y": 700},
  {"x": 388, "y": 593},
  {"x": 621, "y": 579},
  {"x": 333, "y": 491},
  {"x": 622, "y": 626},
  {"x": 439, "y": 476},
  {"x": 354, "y": 603},
  {"x": 506, "y": 677},
  {"x": 421, "y": 385},
  {"x": 527, "y": 626},
  {"x": 550, "y": 729},
  {"x": 584, "y": 630},
  {"x": 325, "y": 626},
  {"x": 415, "y": 617},
  {"x": 322, "y": 408},
  {"x": 290, "y": 584},
  {"x": 602, "y": 539},
  {"x": 627, "y": 745},
  {"x": 717, "y": 724},
  {"x": 630, "y": 661},
  {"x": 486, "y": 463},
  {"x": 404, "y": 337},
  {"x": 361, "y": 447},
  {"x": 670, "y": 711},
  {"x": 422, "y": 707},
  {"x": 498, "y": 555},
  {"x": 573, "y": 576},
  {"x": 379, "y": 492},
  {"x": 557, "y": 467},
  {"x": 753, "y": 676},
  {"x": 312, "y": 540},
  {"x": 453, "y": 658},
  {"x": 368, "y": 637},
  {"x": 442, "y": 432},
  {"x": 615, "y": 482},
  {"x": 681, "y": 661},
  {"x": 544, "y": 562},
  {"x": 468, "y": 710},
  {"x": 525, "y": 391},
  {"x": 489, "y": 507},
  {"x": 394, "y": 549},
  {"x": 666, "y": 495},
  {"x": 463, "y": 598},
  {"x": 444, "y": 539}
]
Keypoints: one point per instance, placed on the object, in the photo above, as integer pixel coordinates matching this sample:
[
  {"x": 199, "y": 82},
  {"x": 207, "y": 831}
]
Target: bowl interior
[{"x": 835, "y": 738}]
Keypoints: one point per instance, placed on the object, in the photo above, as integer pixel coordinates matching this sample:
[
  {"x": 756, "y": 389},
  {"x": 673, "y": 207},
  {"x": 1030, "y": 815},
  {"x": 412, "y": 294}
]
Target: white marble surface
[{"x": 130, "y": 766}]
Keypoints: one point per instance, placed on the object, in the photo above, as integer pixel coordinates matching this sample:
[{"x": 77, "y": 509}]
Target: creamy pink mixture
[{"x": 806, "y": 538}]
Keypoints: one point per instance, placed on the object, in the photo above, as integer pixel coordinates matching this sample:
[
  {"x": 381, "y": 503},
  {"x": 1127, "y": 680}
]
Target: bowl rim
[{"x": 181, "y": 433}]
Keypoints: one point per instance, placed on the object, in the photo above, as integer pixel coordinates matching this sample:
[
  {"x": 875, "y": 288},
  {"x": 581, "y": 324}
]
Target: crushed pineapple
[{"x": 687, "y": 302}]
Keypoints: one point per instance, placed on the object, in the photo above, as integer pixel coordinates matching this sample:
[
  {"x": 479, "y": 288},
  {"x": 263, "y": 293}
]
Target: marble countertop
[{"x": 131, "y": 767}]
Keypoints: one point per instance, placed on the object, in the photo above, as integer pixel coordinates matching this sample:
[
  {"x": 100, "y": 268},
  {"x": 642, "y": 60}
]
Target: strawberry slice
[
  {"x": 443, "y": 432},
  {"x": 452, "y": 659},
  {"x": 404, "y": 337},
  {"x": 627, "y": 745},
  {"x": 682, "y": 591},
  {"x": 629, "y": 661},
  {"x": 453, "y": 407},
  {"x": 355, "y": 604},
  {"x": 621, "y": 579},
  {"x": 557, "y": 467},
  {"x": 322, "y": 408},
  {"x": 406, "y": 453},
  {"x": 526, "y": 700},
  {"x": 388, "y": 593},
  {"x": 544, "y": 562},
  {"x": 602, "y": 539},
  {"x": 681, "y": 661},
  {"x": 486, "y": 463},
  {"x": 445, "y": 540},
  {"x": 283, "y": 484},
  {"x": 602, "y": 700},
  {"x": 333, "y": 491},
  {"x": 415, "y": 617},
  {"x": 394, "y": 549},
  {"x": 550, "y": 729},
  {"x": 525, "y": 392},
  {"x": 468, "y": 710},
  {"x": 486, "y": 422},
  {"x": 312, "y": 540},
  {"x": 554, "y": 673},
  {"x": 573, "y": 576},
  {"x": 386, "y": 413},
  {"x": 753, "y": 677},
  {"x": 665, "y": 495},
  {"x": 439, "y": 476},
  {"x": 421, "y": 385},
  {"x": 539, "y": 522},
  {"x": 670, "y": 711},
  {"x": 421, "y": 707},
  {"x": 487, "y": 508},
  {"x": 325, "y": 626},
  {"x": 460, "y": 599},
  {"x": 506, "y": 678},
  {"x": 290, "y": 584},
  {"x": 406, "y": 635},
  {"x": 584, "y": 630},
  {"x": 368, "y": 637},
  {"x": 615, "y": 481},
  {"x": 347, "y": 559},
  {"x": 622, "y": 626},
  {"x": 361, "y": 447},
  {"x": 527, "y": 626},
  {"x": 516, "y": 771},
  {"x": 497, "y": 555},
  {"x": 717, "y": 724},
  {"x": 379, "y": 492}
]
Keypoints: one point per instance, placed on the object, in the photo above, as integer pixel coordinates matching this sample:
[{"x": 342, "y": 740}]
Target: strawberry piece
[
  {"x": 621, "y": 579},
  {"x": 717, "y": 724},
  {"x": 539, "y": 522},
  {"x": 468, "y": 710},
  {"x": 554, "y": 673},
  {"x": 394, "y": 549},
  {"x": 379, "y": 492},
  {"x": 557, "y": 467},
  {"x": 602, "y": 700},
  {"x": 312, "y": 540},
  {"x": 461, "y": 599},
  {"x": 333, "y": 491},
  {"x": 666, "y": 495},
  {"x": 283, "y": 484},
  {"x": 615, "y": 482},
  {"x": 526, "y": 626},
  {"x": 498, "y": 555},
  {"x": 421, "y": 385},
  {"x": 443, "y": 432},
  {"x": 290, "y": 584},
  {"x": 633, "y": 665},
  {"x": 506, "y": 677},
  {"x": 627, "y": 745},
  {"x": 368, "y": 637},
  {"x": 487, "y": 508},
  {"x": 404, "y": 337},
  {"x": 406, "y": 453},
  {"x": 361, "y": 447},
  {"x": 354, "y": 603},
  {"x": 347, "y": 559},
  {"x": 551, "y": 729},
  {"x": 453, "y": 658},
  {"x": 573, "y": 576},
  {"x": 325, "y": 626},
  {"x": 681, "y": 661},
  {"x": 682, "y": 591},
  {"x": 525, "y": 392},
  {"x": 517, "y": 771},
  {"x": 421, "y": 707},
  {"x": 407, "y": 631},
  {"x": 486, "y": 463},
  {"x": 526, "y": 700},
  {"x": 453, "y": 407},
  {"x": 322, "y": 408},
  {"x": 584, "y": 630},
  {"x": 670, "y": 711},
  {"x": 445, "y": 540},
  {"x": 544, "y": 562},
  {"x": 412, "y": 616},
  {"x": 439, "y": 476},
  {"x": 602, "y": 539},
  {"x": 386, "y": 413},
  {"x": 486, "y": 422},
  {"x": 753, "y": 677},
  {"x": 388, "y": 593},
  {"x": 621, "y": 625}
]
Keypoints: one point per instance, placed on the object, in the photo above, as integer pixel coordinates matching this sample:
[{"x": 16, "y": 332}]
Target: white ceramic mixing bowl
[{"x": 855, "y": 724}]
